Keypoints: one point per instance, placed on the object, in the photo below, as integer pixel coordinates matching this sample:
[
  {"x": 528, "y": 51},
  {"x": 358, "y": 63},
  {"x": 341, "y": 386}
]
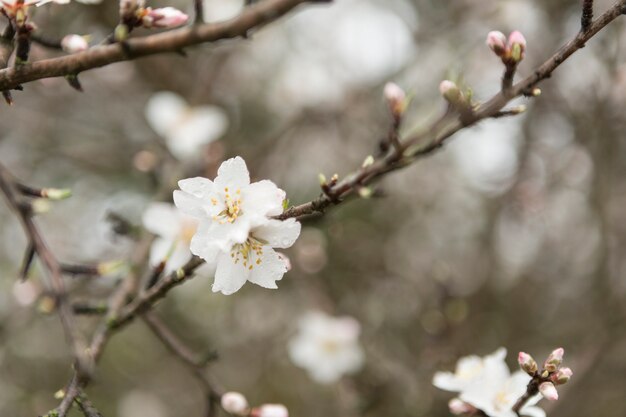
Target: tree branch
[{"x": 252, "y": 17}]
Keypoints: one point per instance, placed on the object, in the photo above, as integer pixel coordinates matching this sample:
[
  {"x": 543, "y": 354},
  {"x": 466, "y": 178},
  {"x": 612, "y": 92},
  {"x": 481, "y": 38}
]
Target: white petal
[
  {"x": 190, "y": 205},
  {"x": 269, "y": 270},
  {"x": 203, "y": 246},
  {"x": 198, "y": 127},
  {"x": 531, "y": 411},
  {"x": 160, "y": 249},
  {"x": 162, "y": 219},
  {"x": 263, "y": 198},
  {"x": 198, "y": 187},
  {"x": 179, "y": 257},
  {"x": 229, "y": 276},
  {"x": 446, "y": 381},
  {"x": 163, "y": 111},
  {"x": 278, "y": 234},
  {"x": 232, "y": 174},
  {"x": 227, "y": 234}
]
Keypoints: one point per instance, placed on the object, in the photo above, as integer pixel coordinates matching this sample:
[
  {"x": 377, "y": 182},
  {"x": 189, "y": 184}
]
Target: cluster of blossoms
[
  {"x": 327, "y": 347},
  {"x": 236, "y": 230},
  {"x": 134, "y": 13},
  {"x": 236, "y": 404},
  {"x": 486, "y": 384}
]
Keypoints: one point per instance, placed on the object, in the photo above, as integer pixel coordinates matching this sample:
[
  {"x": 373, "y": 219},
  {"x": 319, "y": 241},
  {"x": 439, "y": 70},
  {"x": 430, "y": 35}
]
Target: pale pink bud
[
  {"x": 527, "y": 363},
  {"x": 459, "y": 407},
  {"x": 74, "y": 43},
  {"x": 517, "y": 46},
  {"x": 496, "y": 41},
  {"x": 548, "y": 390},
  {"x": 554, "y": 360},
  {"x": 235, "y": 403},
  {"x": 396, "y": 98},
  {"x": 561, "y": 376},
  {"x": 450, "y": 92},
  {"x": 270, "y": 410},
  {"x": 165, "y": 17}
]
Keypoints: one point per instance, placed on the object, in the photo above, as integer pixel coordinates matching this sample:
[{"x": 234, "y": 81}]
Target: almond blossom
[
  {"x": 174, "y": 231},
  {"x": 327, "y": 347},
  {"x": 186, "y": 129},
  {"x": 236, "y": 231},
  {"x": 487, "y": 384}
]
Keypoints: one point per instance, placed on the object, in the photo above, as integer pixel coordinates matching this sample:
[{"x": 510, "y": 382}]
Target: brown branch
[
  {"x": 436, "y": 135},
  {"x": 252, "y": 17},
  {"x": 23, "y": 211},
  {"x": 587, "y": 15}
]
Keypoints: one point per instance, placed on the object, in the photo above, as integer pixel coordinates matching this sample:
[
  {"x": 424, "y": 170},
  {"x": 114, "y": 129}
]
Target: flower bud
[
  {"x": 517, "y": 46},
  {"x": 74, "y": 43},
  {"x": 548, "y": 390},
  {"x": 554, "y": 360},
  {"x": 396, "y": 99},
  {"x": 496, "y": 41},
  {"x": 56, "y": 193},
  {"x": 527, "y": 363},
  {"x": 270, "y": 410},
  {"x": 234, "y": 403},
  {"x": 450, "y": 92},
  {"x": 561, "y": 376},
  {"x": 165, "y": 17},
  {"x": 458, "y": 407}
]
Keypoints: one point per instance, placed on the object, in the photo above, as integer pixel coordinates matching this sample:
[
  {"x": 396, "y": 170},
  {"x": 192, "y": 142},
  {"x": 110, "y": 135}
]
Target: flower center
[
  {"x": 232, "y": 209},
  {"x": 247, "y": 252}
]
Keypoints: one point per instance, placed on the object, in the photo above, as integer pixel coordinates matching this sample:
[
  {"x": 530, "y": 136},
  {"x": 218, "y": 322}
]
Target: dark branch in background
[
  {"x": 198, "y": 9},
  {"x": 252, "y": 17},
  {"x": 24, "y": 211},
  {"x": 587, "y": 16},
  {"x": 46, "y": 41}
]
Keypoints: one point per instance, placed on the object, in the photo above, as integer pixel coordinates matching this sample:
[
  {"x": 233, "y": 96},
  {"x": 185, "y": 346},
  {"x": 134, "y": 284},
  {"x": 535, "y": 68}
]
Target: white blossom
[
  {"x": 174, "y": 231},
  {"x": 74, "y": 43},
  {"x": 327, "y": 347},
  {"x": 235, "y": 403},
  {"x": 487, "y": 384},
  {"x": 271, "y": 410},
  {"x": 186, "y": 129},
  {"x": 236, "y": 231}
]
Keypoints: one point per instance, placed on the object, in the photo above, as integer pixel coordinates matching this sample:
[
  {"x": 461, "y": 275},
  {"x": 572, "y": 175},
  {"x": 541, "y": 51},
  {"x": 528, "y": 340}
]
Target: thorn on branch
[
  {"x": 72, "y": 80},
  {"x": 8, "y": 98},
  {"x": 587, "y": 15}
]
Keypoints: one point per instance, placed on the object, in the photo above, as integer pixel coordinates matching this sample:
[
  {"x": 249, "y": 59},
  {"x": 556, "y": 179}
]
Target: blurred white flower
[
  {"x": 487, "y": 384},
  {"x": 270, "y": 410},
  {"x": 469, "y": 369},
  {"x": 186, "y": 129},
  {"x": 74, "y": 43},
  {"x": 235, "y": 403},
  {"x": 42, "y": 2},
  {"x": 174, "y": 231},
  {"x": 327, "y": 347},
  {"x": 25, "y": 293},
  {"x": 236, "y": 232}
]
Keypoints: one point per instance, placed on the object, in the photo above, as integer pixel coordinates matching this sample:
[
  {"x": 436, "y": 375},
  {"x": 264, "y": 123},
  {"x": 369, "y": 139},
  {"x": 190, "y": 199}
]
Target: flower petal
[
  {"x": 162, "y": 219},
  {"x": 190, "y": 205},
  {"x": 163, "y": 111},
  {"x": 263, "y": 198},
  {"x": 270, "y": 269},
  {"x": 232, "y": 173},
  {"x": 199, "y": 127},
  {"x": 179, "y": 257},
  {"x": 198, "y": 187},
  {"x": 278, "y": 234},
  {"x": 159, "y": 250},
  {"x": 229, "y": 276}
]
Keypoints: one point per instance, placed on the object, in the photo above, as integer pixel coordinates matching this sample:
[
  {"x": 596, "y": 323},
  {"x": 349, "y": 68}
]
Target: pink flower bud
[
  {"x": 396, "y": 98},
  {"x": 561, "y": 376},
  {"x": 450, "y": 92},
  {"x": 165, "y": 17},
  {"x": 548, "y": 390},
  {"x": 458, "y": 407},
  {"x": 517, "y": 46},
  {"x": 496, "y": 41},
  {"x": 527, "y": 363},
  {"x": 554, "y": 360},
  {"x": 235, "y": 403},
  {"x": 74, "y": 43},
  {"x": 270, "y": 410}
]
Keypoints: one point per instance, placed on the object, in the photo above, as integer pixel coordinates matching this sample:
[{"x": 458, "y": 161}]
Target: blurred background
[{"x": 513, "y": 235}]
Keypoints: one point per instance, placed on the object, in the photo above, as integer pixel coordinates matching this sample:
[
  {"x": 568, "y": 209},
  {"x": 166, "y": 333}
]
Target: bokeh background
[{"x": 513, "y": 235}]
